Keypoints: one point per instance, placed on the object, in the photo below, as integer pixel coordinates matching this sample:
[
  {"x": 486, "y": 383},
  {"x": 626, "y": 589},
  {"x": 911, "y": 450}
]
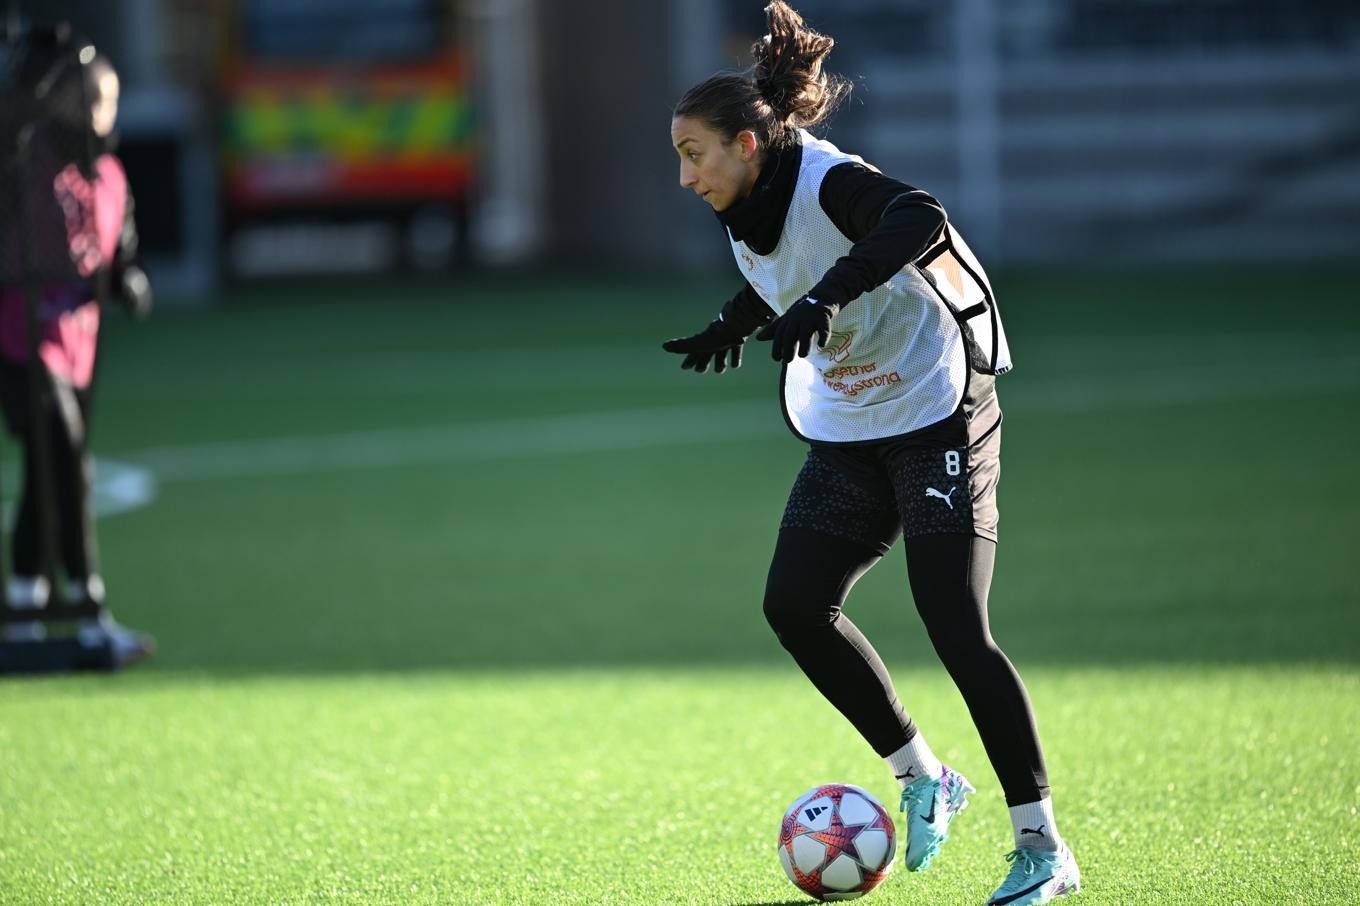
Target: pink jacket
[{"x": 69, "y": 312}]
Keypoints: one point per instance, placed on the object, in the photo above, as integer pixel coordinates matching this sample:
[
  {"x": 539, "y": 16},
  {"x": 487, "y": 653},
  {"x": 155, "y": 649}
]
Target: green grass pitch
[{"x": 458, "y": 593}]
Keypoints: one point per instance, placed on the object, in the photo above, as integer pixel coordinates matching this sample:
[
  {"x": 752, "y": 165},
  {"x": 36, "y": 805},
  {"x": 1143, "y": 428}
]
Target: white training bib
[{"x": 896, "y": 359}]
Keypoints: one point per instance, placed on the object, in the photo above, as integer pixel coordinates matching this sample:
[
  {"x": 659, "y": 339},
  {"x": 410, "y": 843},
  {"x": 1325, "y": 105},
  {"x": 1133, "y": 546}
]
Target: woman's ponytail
[
  {"x": 783, "y": 92},
  {"x": 788, "y": 70}
]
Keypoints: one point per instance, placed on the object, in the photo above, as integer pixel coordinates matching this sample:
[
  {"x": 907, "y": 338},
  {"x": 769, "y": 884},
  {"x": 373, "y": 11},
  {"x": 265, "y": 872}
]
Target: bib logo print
[{"x": 838, "y": 345}]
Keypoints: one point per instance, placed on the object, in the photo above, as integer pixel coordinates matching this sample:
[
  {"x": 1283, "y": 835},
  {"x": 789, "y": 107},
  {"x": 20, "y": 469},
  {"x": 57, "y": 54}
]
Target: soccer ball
[{"x": 836, "y": 842}]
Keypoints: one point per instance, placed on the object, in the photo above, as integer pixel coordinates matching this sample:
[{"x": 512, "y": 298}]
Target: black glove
[
  {"x": 716, "y": 343},
  {"x": 794, "y": 330}
]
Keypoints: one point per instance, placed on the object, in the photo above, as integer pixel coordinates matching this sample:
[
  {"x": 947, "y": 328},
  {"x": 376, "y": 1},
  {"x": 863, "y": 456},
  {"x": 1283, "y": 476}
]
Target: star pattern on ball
[{"x": 839, "y": 837}]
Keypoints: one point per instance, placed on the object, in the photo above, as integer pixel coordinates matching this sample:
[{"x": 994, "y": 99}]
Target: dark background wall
[{"x": 612, "y": 194}]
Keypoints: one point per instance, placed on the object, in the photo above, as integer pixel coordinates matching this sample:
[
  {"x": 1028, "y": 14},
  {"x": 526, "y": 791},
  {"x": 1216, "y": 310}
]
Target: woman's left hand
[{"x": 794, "y": 330}]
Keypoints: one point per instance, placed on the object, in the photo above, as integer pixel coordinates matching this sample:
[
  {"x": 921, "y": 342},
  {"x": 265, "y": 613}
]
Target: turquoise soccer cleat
[
  {"x": 930, "y": 804},
  {"x": 1037, "y": 876}
]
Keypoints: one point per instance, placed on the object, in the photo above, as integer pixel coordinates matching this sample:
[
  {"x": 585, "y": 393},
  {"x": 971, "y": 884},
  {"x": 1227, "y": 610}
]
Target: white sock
[
  {"x": 1034, "y": 825},
  {"x": 79, "y": 589},
  {"x": 914, "y": 761},
  {"x": 27, "y": 592}
]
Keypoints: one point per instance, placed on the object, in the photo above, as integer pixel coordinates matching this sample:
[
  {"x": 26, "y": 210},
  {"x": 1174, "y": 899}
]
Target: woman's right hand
[{"x": 717, "y": 343}]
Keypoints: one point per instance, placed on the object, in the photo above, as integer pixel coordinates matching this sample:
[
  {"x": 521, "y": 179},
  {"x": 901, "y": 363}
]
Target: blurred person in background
[
  {"x": 73, "y": 93},
  {"x": 890, "y": 344}
]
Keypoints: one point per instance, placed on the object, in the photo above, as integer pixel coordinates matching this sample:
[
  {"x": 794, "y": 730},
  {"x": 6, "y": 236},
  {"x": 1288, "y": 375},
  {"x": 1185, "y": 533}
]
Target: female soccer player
[
  {"x": 72, "y": 94},
  {"x": 890, "y": 343}
]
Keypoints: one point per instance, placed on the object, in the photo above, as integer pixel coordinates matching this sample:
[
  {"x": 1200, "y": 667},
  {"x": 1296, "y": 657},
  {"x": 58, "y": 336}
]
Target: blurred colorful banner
[{"x": 382, "y": 133}]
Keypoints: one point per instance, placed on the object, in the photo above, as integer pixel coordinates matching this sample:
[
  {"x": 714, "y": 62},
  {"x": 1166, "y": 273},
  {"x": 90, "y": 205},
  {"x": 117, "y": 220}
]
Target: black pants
[
  {"x": 64, "y": 416},
  {"x": 847, "y": 508}
]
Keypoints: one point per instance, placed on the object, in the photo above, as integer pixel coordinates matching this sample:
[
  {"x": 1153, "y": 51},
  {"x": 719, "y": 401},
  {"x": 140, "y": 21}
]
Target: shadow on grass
[
  {"x": 1158, "y": 533},
  {"x": 422, "y": 638}
]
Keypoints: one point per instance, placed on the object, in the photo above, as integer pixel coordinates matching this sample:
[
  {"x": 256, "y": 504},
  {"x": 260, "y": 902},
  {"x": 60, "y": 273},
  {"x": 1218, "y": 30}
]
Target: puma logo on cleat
[
  {"x": 1030, "y": 830},
  {"x": 931, "y": 492}
]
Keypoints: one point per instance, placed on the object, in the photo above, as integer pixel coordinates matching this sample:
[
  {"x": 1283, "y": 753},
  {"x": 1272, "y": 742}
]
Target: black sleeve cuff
[{"x": 746, "y": 312}]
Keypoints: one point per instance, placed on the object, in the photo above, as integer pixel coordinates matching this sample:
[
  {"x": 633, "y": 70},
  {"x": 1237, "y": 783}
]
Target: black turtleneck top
[{"x": 890, "y": 223}]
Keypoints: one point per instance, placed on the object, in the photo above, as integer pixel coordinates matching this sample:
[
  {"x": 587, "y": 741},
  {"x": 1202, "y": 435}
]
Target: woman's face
[
  {"x": 105, "y": 107},
  {"x": 720, "y": 172}
]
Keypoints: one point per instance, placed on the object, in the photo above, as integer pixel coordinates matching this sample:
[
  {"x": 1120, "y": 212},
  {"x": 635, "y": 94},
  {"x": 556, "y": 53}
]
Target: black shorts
[{"x": 930, "y": 482}]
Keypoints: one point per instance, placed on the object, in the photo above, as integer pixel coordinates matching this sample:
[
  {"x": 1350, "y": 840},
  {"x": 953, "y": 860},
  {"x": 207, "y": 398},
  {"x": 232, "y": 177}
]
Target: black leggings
[
  {"x": 950, "y": 575},
  {"x": 65, "y": 419}
]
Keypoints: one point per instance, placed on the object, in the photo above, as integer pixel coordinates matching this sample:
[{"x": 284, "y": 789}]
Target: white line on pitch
[
  {"x": 699, "y": 423},
  {"x": 535, "y": 436},
  {"x": 118, "y": 487}
]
